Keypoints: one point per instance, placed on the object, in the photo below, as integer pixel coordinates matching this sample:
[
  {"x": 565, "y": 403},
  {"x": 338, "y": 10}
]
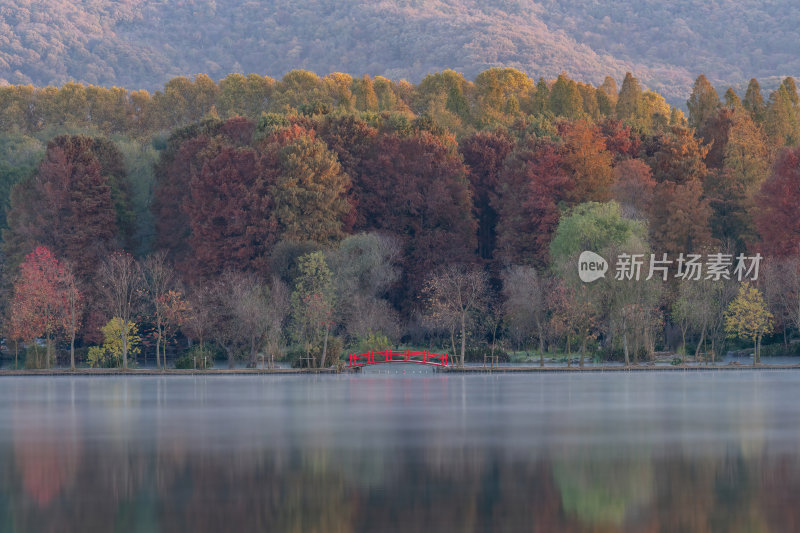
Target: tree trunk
[
  {"x": 702, "y": 339},
  {"x": 713, "y": 351},
  {"x": 124, "y": 334},
  {"x": 453, "y": 339},
  {"x": 541, "y": 342},
  {"x": 494, "y": 337},
  {"x": 229, "y": 352},
  {"x": 759, "y": 349},
  {"x": 463, "y": 337},
  {"x": 158, "y": 347},
  {"x": 72, "y": 350},
  {"x": 625, "y": 348},
  {"x": 47, "y": 352},
  {"x": 583, "y": 351},
  {"x": 252, "y": 362},
  {"x": 569, "y": 353},
  {"x": 683, "y": 341},
  {"x": 324, "y": 347}
]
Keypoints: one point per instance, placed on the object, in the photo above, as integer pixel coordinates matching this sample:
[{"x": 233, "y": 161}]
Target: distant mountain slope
[{"x": 143, "y": 43}]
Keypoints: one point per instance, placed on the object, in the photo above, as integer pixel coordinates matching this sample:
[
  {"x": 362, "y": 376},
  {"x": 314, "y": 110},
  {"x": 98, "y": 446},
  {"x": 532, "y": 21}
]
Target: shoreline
[{"x": 100, "y": 372}]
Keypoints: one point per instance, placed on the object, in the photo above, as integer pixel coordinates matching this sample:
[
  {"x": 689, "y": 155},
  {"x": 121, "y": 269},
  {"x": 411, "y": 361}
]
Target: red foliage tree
[
  {"x": 68, "y": 206},
  {"x": 484, "y": 153},
  {"x": 44, "y": 300},
  {"x": 680, "y": 215},
  {"x": 633, "y": 188},
  {"x": 531, "y": 187},
  {"x": 777, "y": 205},
  {"x": 416, "y": 187},
  {"x": 587, "y": 161},
  {"x": 619, "y": 139},
  {"x": 182, "y": 159},
  {"x": 229, "y": 211}
]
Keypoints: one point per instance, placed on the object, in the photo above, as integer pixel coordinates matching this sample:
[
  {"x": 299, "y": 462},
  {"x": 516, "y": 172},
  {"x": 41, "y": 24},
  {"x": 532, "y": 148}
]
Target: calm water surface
[{"x": 612, "y": 452}]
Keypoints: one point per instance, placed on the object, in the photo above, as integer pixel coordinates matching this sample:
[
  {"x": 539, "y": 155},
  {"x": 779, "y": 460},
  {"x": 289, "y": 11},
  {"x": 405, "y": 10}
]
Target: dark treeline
[{"x": 252, "y": 217}]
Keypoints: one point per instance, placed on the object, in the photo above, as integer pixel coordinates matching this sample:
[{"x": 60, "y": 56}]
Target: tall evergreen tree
[
  {"x": 732, "y": 100},
  {"x": 781, "y": 122},
  {"x": 753, "y": 101},
  {"x": 629, "y": 102},
  {"x": 702, "y": 103},
  {"x": 565, "y": 98},
  {"x": 541, "y": 97}
]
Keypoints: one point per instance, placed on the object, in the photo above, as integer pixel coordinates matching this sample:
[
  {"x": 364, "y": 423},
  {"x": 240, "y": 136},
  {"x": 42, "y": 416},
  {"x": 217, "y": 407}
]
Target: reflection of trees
[
  {"x": 143, "y": 470},
  {"x": 599, "y": 491},
  {"x": 46, "y": 451}
]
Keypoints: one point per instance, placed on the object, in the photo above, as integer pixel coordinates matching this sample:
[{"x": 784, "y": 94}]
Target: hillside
[{"x": 143, "y": 43}]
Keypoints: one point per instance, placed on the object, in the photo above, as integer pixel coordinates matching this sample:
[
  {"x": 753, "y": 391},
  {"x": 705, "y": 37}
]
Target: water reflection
[{"x": 616, "y": 452}]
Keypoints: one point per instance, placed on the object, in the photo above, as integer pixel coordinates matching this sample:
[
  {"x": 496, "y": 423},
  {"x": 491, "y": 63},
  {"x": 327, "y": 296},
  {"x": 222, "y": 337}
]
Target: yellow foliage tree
[
  {"x": 110, "y": 353},
  {"x": 748, "y": 318}
]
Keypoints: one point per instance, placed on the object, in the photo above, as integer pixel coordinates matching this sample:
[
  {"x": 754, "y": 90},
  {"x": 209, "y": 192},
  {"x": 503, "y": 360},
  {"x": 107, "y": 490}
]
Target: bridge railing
[{"x": 398, "y": 356}]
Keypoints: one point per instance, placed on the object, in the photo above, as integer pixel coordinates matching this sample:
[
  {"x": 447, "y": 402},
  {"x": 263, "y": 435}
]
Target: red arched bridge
[{"x": 398, "y": 356}]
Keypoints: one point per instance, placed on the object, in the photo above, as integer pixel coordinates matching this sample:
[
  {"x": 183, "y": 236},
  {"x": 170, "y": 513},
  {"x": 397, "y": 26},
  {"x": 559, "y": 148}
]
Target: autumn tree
[
  {"x": 573, "y": 317},
  {"x": 679, "y": 216},
  {"x": 75, "y": 205},
  {"x": 176, "y": 311},
  {"x": 781, "y": 122},
  {"x": 565, "y": 98},
  {"x": 258, "y": 311},
  {"x": 754, "y": 102},
  {"x": 623, "y": 308},
  {"x": 740, "y": 157},
  {"x": 587, "y": 161},
  {"x": 231, "y": 212},
  {"x": 45, "y": 302},
  {"x": 531, "y": 188},
  {"x": 221, "y": 298},
  {"x": 485, "y": 154},
  {"x": 183, "y": 159},
  {"x": 782, "y": 291},
  {"x": 633, "y": 188},
  {"x": 629, "y": 101},
  {"x": 121, "y": 338},
  {"x": 159, "y": 278},
  {"x": 121, "y": 284},
  {"x": 365, "y": 270},
  {"x": 310, "y": 192},
  {"x": 273, "y": 318},
  {"x": 776, "y": 219},
  {"x": 200, "y": 320},
  {"x": 541, "y": 98},
  {"x": 74, "y": 310},
  {"x": 732, "y": 100},
  {"x": 702, "y": 103},
  {"x": 501, "y": 94},
  {"x": 453, "y": 295},
  {"x": 748, "y": 318},
  {"x": 525, "y": 295},
  {"x": 415, "y": 187},
  {"x": 313, "y": 301},
  {"x": 700, "y": 306}
]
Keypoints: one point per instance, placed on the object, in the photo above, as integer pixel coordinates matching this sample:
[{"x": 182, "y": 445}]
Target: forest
[{"x": 254, "y": 220}]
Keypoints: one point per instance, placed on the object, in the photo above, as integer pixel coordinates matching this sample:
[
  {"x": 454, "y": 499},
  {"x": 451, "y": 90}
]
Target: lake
[{"x": 643, "y": 451}]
